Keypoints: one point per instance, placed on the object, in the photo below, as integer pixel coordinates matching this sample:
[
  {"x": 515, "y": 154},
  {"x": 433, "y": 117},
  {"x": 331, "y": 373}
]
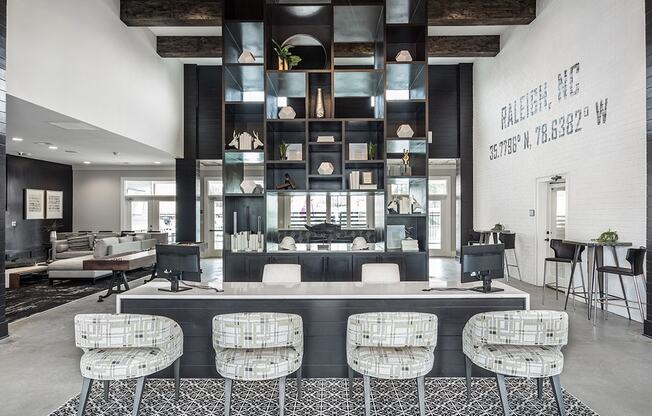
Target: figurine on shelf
[
  {"x": 415, "y": 206},
  {"x": 406, "y": 169},
  {"x": 288, "y": 183},
  {"x": 320, "y": 112},
  {"x": 245, "y": 141}
]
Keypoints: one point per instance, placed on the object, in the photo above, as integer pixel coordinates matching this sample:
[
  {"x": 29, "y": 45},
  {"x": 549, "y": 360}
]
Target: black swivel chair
[
  {"x": 474, "y": 237},
  {"x": 509, "y": 241},
  {"x": 563, "y": 253},
  {"x": 636, "y": 259}
]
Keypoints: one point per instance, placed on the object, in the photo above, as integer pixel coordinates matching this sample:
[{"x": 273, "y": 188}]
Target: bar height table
[{"x": 594, "y": 259}]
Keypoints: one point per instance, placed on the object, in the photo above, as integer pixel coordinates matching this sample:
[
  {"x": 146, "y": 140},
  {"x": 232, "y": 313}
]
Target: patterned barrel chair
[
  {"x": 391, "y": 345},
  {"x": 519, "y": 344},
  {"x": 256, "y": 347},
  {"x": 126, "y": 346}
]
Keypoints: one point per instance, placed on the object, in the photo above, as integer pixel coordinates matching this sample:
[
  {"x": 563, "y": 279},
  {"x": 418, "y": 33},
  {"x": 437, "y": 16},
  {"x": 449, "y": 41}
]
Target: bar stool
[
  {"x": 563, "y": 253},
  {"x": 509, "y": 241},
  {"x": 474, "y": 238},
  {"x": 571, "y": 285},
  {"x": 282, "y": 273},
  {"x": 636, "y": 259}
]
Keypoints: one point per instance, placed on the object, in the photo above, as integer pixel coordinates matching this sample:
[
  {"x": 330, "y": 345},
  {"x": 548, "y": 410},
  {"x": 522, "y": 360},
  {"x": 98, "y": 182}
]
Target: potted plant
[
  {"x": 371, "y": 150},
  {"x": 498, "y": 227},
  {"x": 608, "y": 237},
  {"x": 286, "y": 60},
  {"x": 283, "y": 150},
  {"x": 51, "y": 229}
]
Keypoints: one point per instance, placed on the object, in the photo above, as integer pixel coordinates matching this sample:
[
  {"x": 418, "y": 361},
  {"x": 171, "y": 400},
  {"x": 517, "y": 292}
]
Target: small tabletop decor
[
  {"x": 405, "y": 131},
  {"x": 608, "y": 237},
  {"x": 287, "y": 113},
  {"x": 403, "y": 56},
  {"x": 246, "y": 57},
  {"x": 326, "y": 168}
]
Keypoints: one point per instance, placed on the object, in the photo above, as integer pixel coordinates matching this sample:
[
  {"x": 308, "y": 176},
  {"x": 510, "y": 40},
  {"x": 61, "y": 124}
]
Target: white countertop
[{"x": 323, "y": 290}]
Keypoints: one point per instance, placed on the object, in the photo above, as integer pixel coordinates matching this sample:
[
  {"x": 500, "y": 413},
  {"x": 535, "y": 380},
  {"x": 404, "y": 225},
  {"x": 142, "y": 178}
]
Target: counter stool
[
  {"x": 282, "y": 273},
  {"x": 509, "y": 241},
  {"x": 563, "y": 253},
  {"x": 391, "y": 346},
  {"x": 380, "y": 273},
  {"x": 572, "y": 287},
  {"x": 256, "y": 347},
  {"x": 474, "y": 238},
  {"x": 636, "y": 259}
]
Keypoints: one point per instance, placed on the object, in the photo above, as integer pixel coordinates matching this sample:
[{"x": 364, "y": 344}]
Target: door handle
[{"x": 546, "y": 239}]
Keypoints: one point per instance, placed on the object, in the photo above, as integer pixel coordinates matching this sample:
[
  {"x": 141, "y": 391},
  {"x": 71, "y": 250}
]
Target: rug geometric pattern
[{"x": 325, "y": 397}]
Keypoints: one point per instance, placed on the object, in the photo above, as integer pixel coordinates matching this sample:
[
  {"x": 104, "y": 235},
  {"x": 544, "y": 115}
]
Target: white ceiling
[{"x": 32, "y": 123}]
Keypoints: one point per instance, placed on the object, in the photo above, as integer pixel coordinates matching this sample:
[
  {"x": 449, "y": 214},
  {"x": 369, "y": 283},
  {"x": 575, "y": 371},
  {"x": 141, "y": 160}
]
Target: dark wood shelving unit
[{"x": 364, "y": 102}]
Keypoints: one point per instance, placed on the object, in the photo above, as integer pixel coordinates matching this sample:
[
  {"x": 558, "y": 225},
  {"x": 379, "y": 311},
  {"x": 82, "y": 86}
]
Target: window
[
  {"x": 349, "y": 211},
  {"x": 149, "y": 188},
  {"x": 149, "y": 205}
]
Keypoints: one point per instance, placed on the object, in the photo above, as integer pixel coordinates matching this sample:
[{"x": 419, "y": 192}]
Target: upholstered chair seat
[
  {"x": 126, "y": 346},
  {"x": 256, "y": 347},
  {"x": 391, "y": 345},
  {"x": 517, "y": 343}
]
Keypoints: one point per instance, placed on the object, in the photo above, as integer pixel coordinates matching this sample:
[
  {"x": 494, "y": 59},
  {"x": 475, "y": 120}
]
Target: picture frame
[
  {"x": 295, "y": 151},
  {"x": 34, "y": 201},
  {"x": 53, "y": 204},
  {"x": 358, "y": 151}
]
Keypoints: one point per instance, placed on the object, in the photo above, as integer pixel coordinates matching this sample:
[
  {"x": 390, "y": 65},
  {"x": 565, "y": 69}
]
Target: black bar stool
[
  {"x": 563, "y": 253},
  {"x": 509, "y": 241},
  {"x": 584, "y": 294},
  {"x": 474, "y": 237},
  {"x": 636, "y": 259}
]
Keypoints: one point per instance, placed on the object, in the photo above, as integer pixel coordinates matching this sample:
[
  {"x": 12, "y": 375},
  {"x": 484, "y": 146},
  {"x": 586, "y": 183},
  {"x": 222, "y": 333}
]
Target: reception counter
[{"x": 324, "y": 307}]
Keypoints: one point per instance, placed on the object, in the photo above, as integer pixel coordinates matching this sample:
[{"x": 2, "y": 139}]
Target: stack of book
[{"x": 366, "y": 183}]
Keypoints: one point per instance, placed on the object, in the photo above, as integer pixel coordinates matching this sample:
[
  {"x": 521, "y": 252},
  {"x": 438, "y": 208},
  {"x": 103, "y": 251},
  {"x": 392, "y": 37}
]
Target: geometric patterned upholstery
[
  {"x": 391, "y": 345},
  {"x": 122, "y": 346},
  {"x": 257, "y": 346},
  {"x": 517, "y": 343}
]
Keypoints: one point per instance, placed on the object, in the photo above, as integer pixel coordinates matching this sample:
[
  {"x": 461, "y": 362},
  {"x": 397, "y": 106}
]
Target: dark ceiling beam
[
  {"x": 463, "y": 46},
  {"x": 481, "y": 12},
  {"x": 171, "y": 12},
  {"x": 189, "y": 46},
  {"x": 353, "y": 50}
]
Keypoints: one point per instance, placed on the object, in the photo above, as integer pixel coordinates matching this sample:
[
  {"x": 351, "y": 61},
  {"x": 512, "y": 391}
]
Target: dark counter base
[{"x": 324, "y": 328}]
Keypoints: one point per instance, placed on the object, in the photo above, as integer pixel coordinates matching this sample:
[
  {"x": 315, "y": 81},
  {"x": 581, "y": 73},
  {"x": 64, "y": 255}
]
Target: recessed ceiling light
[
  {"x": 52, "y": 147},
  {"x": 86, "y": 162},
  {"x": 17, "y": 139},
  {"x": 157, "y": 163},
  {"x": 73, "y": 125}
]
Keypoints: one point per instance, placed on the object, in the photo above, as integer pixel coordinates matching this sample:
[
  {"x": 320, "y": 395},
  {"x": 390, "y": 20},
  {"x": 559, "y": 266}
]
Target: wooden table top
[
  {"x": 122, "y": 262},
  {"x": 595, "y": 243}
]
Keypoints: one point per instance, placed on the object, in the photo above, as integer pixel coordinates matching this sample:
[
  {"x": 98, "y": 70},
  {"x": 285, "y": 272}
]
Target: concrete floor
[{"x": 607, "y": 367}]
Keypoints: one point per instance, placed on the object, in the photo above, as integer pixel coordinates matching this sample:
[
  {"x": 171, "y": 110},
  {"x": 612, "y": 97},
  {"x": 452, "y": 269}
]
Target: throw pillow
[
  {"x": 126, "y": 239},
  {"x": 81, "y": 243}
]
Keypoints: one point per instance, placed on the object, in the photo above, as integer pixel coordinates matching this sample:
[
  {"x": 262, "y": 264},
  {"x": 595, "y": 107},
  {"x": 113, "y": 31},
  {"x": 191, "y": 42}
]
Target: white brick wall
[{"x": 606, "y": 165}]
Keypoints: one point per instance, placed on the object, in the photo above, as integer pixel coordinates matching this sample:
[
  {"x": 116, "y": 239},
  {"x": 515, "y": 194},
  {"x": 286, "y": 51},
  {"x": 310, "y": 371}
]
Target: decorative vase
[
  {"x": 281, "y": 64},
  {"x": 319, "y": 112}
]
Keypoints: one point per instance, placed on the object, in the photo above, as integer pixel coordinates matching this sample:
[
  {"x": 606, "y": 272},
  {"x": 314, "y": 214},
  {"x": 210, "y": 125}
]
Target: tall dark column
[
  {"x": 3, "y": 159},
  {"x": 186, "y": 177},
  {"x": 466, "y": 150},
  {"x": 648, "y": 48}
]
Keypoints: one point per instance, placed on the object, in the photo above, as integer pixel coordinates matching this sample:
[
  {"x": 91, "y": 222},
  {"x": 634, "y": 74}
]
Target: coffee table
[{"x": 119, "y": 265}]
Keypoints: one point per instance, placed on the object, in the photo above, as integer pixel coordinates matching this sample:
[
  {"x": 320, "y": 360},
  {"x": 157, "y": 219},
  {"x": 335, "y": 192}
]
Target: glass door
[
  {"x": 166, "y": 218},
  {"x": 152, "y": 214},
  {"x": 439, "y": 217},
  {"x": 214, "y": 219},
  {"x": 138, "y": 216}
]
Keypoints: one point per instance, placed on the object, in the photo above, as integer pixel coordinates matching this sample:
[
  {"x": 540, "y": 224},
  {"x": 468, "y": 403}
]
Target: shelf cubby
[
  {"x": 406, "y": 81},
  {"x": 359, "y": 94},
  {"x": 406, "y": 112},
  {"x": 243, "y": 117},
  {"x": 417, "y": 224},
  {"x": 360, "y": 131},
  {"x": 325, "y": 182},
  {"x": 359, "y": 35},
  {"x": 239, "y": 166},
  {"x": 275, "y": 175},
  {"x": 249, "y": 208},
  {"x": 280, "y": 131},
  {"x": 244, "y": 10},
  {"x": 286, "y": 88},
  {"x": 416, "y": 187},
  {"x": 243, "y": 83},
  {"x": 240, "y": 36},
  {"x": 321, "y": 80},
  {"x": 318, "y": 128},
  {"x": 417, "y": 150},
  {"x": 405, "y": 12},
  {"x": 409, "y": 38}
]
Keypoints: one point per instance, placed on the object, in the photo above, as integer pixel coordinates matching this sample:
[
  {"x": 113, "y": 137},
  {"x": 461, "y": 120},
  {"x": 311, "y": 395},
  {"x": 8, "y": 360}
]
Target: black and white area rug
[{"x": 322, "y": 397}]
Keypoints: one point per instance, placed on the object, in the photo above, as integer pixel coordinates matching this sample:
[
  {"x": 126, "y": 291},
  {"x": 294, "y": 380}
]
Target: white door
[
  {"x": 152, "y": 214},
  {"x": 551, "y": 224},
  {"x": 439, "y": 216}
]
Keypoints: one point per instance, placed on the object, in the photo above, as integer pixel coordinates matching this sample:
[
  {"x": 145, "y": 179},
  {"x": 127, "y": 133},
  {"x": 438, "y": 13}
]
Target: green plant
[
  {"x": 283, "y": 149},
  {"x": 284, "y": 54},
  {"x": 371, "y": 150},
  {"x": 498, "y": 227},
  {"x": 608, "y": 236}
]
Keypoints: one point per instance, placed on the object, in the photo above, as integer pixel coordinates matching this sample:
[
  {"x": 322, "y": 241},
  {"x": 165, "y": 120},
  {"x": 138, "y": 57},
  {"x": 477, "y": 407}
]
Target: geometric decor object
[
  {"x": 326, "y": 168},
  {"x": 287, "y": 113},
  {"x": 404, "y": 131},
  {"x": 403, "y": 56},
  {"x": 248, "y": 186},
  {"x": 246, "y": 57}
]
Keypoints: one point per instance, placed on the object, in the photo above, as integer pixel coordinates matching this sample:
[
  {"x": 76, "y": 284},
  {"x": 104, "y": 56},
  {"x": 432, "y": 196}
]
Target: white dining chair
[
  {"x": 380, "y": 273},
  {"x": 282, "y": 273}
]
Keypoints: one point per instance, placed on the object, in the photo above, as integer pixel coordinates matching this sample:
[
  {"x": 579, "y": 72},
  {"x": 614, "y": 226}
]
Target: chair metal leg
[
  {"x": 177, "y": 378},
  {"x": 605, "y": 311},
  {"x": 518, "y": 268},
  {"x": 367, "y": 395},
  {"x": 502, "y": 391},
  {"x": 570, "y": 284},
  {"x": 228, "y": 387},
  {"x": 281, "y": 396},
  {"x": 506, "y": 265},
  {"x": 87, "y": 383},
  {"x": 421, "y": 393},
  {"x": 469, "y": 374},
  {"x": 350, "y": 383},
  {"x": 543, "y": 297},
  {"x": 557, "y": 281},
  {"x": 140, "y": 386},
  {"x": 622, "y": 285},
  {"x": 559, "y": 398},
  {"x": 539, "y": 388},
  {"x": 299, "y": 379},
  {"x": 638, "y": 296},
  {"x": 107, "y": 386}
]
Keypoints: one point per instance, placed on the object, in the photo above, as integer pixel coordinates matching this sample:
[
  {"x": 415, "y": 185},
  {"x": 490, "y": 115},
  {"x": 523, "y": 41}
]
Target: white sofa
[{"x": 73, "y": 268}]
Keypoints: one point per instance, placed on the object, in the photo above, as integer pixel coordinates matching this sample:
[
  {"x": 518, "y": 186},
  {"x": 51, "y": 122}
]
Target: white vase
[{"x": 319, "y": 112}]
